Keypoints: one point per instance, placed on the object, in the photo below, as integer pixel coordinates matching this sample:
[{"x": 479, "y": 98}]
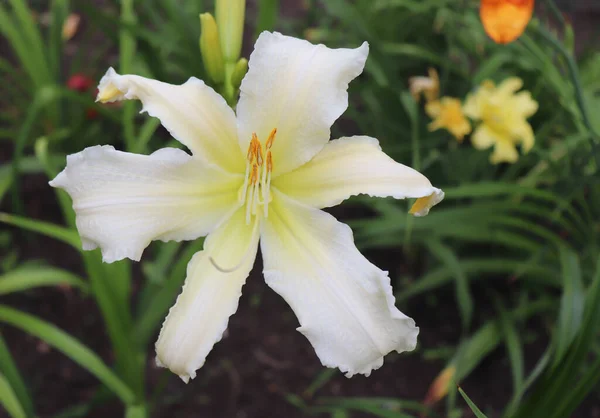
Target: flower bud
[
  {"x": 239, "y": 72},
  {"x": 230, "y": 21},
  {"x": 210, "y": 48}
]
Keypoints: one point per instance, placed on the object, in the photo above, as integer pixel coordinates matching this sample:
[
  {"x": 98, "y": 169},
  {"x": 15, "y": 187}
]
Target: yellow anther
[
  {"x": 269, "y": 162},
  {"x": 252, "y": 148},
  {"x": 255, "y": 152},
  {"x": 271, "y": 139}
]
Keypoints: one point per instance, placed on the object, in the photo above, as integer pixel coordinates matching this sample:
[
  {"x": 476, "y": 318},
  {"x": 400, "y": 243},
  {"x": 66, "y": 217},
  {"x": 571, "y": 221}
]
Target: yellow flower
[
  {"x": 503, "y": 114},
  {"x": 447, "y": 113},
  {"x": 428, "y": 86}
]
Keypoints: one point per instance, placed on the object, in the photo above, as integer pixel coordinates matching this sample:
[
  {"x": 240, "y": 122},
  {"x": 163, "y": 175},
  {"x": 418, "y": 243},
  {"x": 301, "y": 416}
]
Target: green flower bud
[
  {"x": 210, "y": 48},
  {"x": 239, "y": 72},
  {"x": 230, "y": 18}
]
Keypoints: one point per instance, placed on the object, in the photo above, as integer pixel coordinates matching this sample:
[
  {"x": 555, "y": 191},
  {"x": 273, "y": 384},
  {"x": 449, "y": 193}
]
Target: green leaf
[
  {"x": 5, "y": 179},
  {"x": 513, "y": 345},
  {"x": 11, "y": 373},
  {"x": 267, "y": 16},
  {"x": 340, "y": 413},
  {"x": 463, "y": 293},
  {"x": 571, "y": 305},
  {"x": 541, "y": 274},
  {"x": 381, "y": 407},
  {"x": 136, "y": 411},
  {"x": 9, "y": 400},
  {"x": 322, "y": 378},
  {"x": 9, "y": 27},
  {"x": 117, "y": 318},
  {"x": 28, "y": 277},
  {"x": 158, "y": 306},
  {"x": 59, "y": 12},
  {"x": 45, "y": 228},
  {"x": 31, "y": 34},
  {"x": 472, "y": 405},
  {"x": 72, "y": 348}
]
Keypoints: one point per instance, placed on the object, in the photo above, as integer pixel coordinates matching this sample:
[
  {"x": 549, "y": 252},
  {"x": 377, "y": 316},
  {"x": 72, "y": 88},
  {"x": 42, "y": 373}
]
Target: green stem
[
  {"x": 228, "y": 90},
  {"x": 574, "y": 74},
  {"x": 126, "y": 55},
  {"x": 556, "y": 12}
]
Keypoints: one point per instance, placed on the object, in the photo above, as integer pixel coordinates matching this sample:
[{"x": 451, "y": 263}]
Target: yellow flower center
[
  {"x": 494, "y": 116},
  {"x": 256, "y": 189}
]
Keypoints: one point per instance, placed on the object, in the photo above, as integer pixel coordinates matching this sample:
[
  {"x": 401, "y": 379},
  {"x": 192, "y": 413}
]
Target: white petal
[
  {"x": 209, "y": 297},
  {"x": 344, "y": 303},
  {"x": 123, "y": 201},
  {"x": 298, "y": 88},
  {"x": 351, "y": 166},
  {"x": 193, "y": 113}
]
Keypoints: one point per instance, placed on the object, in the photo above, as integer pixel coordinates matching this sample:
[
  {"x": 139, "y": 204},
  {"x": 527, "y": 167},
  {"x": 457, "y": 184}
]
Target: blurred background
[{"x": 503, "y": 277}]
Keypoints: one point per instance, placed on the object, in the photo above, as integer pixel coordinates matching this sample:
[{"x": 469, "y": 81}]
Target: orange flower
[{"x": 505, "y": 20}]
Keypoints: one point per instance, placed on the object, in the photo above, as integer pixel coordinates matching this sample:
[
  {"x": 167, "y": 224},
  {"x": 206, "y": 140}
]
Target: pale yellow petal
[
  {"x": 509, "y": 86},
  {"x": 525, "y": 135},
  {"x": 298, "y": 88},
  {"x": 209, "y": 297},
  {"x": 193, "y": 113},
  {"x": 504, "y": 152},
  {"x": 350, "y": 166},
  {"x": 523, "y": 104},
  {"x": 483, "y": 137},
  {"x": 344, "y": 304},
  {"x": 433, "y": 109},
  {"x": 448, "y": 114},
  {"x": 123, "y": 201},
  {"x": 475, "y": 102}
]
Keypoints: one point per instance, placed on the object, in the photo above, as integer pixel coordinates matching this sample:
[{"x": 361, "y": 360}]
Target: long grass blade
[
  {"x": 9, "y": 399},
  {"x": 11, "y": 373},
  {"x": 72, "y": 348}
]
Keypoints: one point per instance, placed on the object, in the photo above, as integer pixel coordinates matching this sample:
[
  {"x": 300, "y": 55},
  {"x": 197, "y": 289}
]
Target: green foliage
[
  {"x": 473, "y": 407},
  {"x": 528, "y": 230}
]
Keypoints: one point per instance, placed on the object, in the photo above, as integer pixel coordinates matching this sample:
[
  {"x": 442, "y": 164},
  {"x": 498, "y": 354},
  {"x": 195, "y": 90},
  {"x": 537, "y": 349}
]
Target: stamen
[
  {"x": 242, "y": 196},
  {"x": 254, "y": 143},
  {"x": 249, "y": 204},
  {"x": 255, "y": 200},
  {"x": 271, "y": 139},
  {"x": 269, "y": 162},
  {"x": 266, "y": 182},
  {"x": 255, "y": 180}
]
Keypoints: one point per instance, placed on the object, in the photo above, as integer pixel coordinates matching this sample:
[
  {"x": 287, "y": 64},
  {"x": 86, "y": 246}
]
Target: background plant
[{"x": 515, "y": 246}]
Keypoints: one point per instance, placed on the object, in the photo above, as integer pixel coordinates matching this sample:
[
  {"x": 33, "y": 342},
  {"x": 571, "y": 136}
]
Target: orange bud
[
  {"x": 505, "y": 20},
  {"x": 440, "y": 386}
]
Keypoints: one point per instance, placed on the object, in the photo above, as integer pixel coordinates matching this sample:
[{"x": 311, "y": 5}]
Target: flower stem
[
  {"x": 574, "y": 74},
  {"x": 126, "y": 56}
]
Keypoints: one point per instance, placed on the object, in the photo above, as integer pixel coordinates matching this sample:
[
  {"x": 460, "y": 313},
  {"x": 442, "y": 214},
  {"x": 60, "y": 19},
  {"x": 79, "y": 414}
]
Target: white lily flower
[{"x": 263, "y": 175}]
